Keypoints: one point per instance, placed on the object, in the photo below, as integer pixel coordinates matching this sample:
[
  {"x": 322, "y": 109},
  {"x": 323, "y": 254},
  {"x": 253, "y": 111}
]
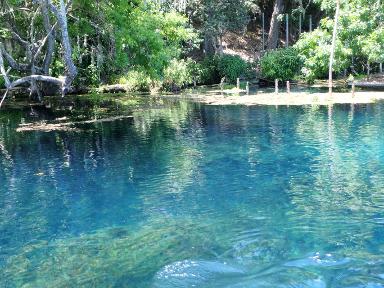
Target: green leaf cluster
[
  {"x": 178, "y": 74},
  {"x": 360, "y": 39},
  {"x": 282, "y": 64},
  {"x": 149, "y": 38},
  {"x": 231, "y": 67}
]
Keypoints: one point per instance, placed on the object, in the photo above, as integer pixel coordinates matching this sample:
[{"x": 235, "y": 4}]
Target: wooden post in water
[
  {"x": 238, "y": 83},
  {"x": 263, "y": 36},
  {"x": 288, "y": 88},
  {"x": 353, "y": 87},
  {"x": 286, "y": 30},
  {"x": 310, "y": 23},
  {"x": 222, "y": 84},
  {"x": 247, "y": 88},
  {"x": 276, "y": 86}
]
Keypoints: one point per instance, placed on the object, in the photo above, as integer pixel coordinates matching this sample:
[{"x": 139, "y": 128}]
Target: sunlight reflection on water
[{"x": 188, "y": 195}]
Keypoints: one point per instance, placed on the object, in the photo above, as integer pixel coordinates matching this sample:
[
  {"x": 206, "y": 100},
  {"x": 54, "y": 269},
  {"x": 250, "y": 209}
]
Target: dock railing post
[
  {"x": 353, "y": 87},
  {"x": 288, "y": 88},
  {"x": 238, "y": 83},
  {"x": 276, "y": 86},
  {"x": 247, "y": 88}
]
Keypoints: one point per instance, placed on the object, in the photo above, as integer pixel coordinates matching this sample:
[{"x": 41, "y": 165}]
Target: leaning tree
[{"x": 32, "y": 32}]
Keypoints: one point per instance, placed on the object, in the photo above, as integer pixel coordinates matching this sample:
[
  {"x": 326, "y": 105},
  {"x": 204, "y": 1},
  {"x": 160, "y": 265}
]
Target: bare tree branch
[
  {"x": 33, "y": 50},
  {"x": 2, "y": 70},
  {"x": 50, "y": 37},
  {"x": 18, "y": 38},
  {"x": 17, "y": 66},
  {"x": 5, "y": 96}
]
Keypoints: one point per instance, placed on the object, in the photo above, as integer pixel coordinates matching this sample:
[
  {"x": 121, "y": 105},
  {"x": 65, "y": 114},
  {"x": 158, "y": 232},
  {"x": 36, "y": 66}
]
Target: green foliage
[
  {"x": 149, "y": 38},
  {"x": 177, "y": 75},
  {"x": 231, "y": 67},
  {"x": 57, "y": 67},
  {"x": 136, "y": 80},
  {"x": 88, "y": 76},
  {"x": 118, "y": 36},
  {"x": 213, "y": 68},
  {"x": 373, "y": 46},
  {"x": 2, "y": 83},
  {"x": 251, "y": 70},
  {"x": 281, "y": 64},
  {"x": 314, "y": 50},
  {"x": 209, "y": 70},
  {"x": 217, "y": 16},
  {"x": 360, "y": 39},
  {"x": 195, "y": 70}
]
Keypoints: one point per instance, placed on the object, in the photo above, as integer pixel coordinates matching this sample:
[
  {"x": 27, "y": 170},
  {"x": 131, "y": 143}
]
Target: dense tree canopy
[
  {"x": 143, "y": 44},
  {"x": 360, "y": 41}
]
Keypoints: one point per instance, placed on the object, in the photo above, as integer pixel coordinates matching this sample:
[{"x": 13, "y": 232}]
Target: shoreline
[
  {"x": 294, "y": 98},
  {"x": 214, "y": 96}
]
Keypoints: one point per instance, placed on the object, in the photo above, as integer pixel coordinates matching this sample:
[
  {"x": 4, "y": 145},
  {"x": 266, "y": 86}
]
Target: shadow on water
[{"x": 188, "y": 195}]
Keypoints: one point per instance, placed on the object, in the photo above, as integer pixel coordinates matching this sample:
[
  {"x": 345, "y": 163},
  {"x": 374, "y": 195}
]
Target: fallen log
[
  {"x": 114, "y": 89},
  {"x": 64, "y": 126}
]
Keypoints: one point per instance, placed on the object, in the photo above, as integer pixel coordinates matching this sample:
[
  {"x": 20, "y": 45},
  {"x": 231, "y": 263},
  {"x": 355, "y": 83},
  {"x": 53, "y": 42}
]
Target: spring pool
[{"x": 190, "y": 195}]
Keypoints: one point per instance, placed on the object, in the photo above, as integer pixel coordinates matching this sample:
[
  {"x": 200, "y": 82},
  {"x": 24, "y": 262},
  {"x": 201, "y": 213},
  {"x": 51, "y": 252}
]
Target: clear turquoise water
[{"x": 189, "y": 195}]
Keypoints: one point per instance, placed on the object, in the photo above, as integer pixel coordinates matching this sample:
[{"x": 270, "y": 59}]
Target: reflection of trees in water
[
  {"x": 336, "y": 200},
  {"x": 64, "y": 170},
  {"x": 249, "y": 172},
  {"x": 108, "y": 160}
]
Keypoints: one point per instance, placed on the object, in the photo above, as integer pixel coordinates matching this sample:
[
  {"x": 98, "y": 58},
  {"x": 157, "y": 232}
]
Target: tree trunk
[
  {"x": 51, "y": 37},
  {"x": 333, "y": 46},
  {"x": 61, "y": 15},
  {"x": 2, "y": 69},
  {"x": 209, "y": 37},
  {"x": 219, "y": 46},
  {"x": 209, "y": 44},
  {"x": 33, "y": 48},
  {"x": 273, "y": 36}
]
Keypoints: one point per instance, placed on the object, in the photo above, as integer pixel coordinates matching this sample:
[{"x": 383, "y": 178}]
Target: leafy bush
[
  {"x": 314, "y": 51},
  {"x": 195, "y": 70},
  {"x": 251, "y": 70},
  {"x": 209, "y": 72},
  {"x": 228, "y": 66},
  {"x": 148, "y": 39},
  {"x": 177, "y": 75},
  {"x": 231, "y": 67},
  {"x": 136, "y": 80},
  {"x": 88, "y": 76},
  {"x": 281, "y": 64}
]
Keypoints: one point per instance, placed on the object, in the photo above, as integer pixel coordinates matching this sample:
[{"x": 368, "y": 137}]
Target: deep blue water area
[{"x": 192, "y": 195}]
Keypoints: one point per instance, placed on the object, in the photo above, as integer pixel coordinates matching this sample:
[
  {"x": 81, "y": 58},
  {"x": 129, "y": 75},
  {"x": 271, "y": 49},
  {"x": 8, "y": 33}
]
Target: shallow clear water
[{"x": 188, "y": 195}]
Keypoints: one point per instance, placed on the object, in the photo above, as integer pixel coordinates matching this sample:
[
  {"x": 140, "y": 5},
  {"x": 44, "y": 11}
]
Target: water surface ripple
[{"x": 189, "y": 195}]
